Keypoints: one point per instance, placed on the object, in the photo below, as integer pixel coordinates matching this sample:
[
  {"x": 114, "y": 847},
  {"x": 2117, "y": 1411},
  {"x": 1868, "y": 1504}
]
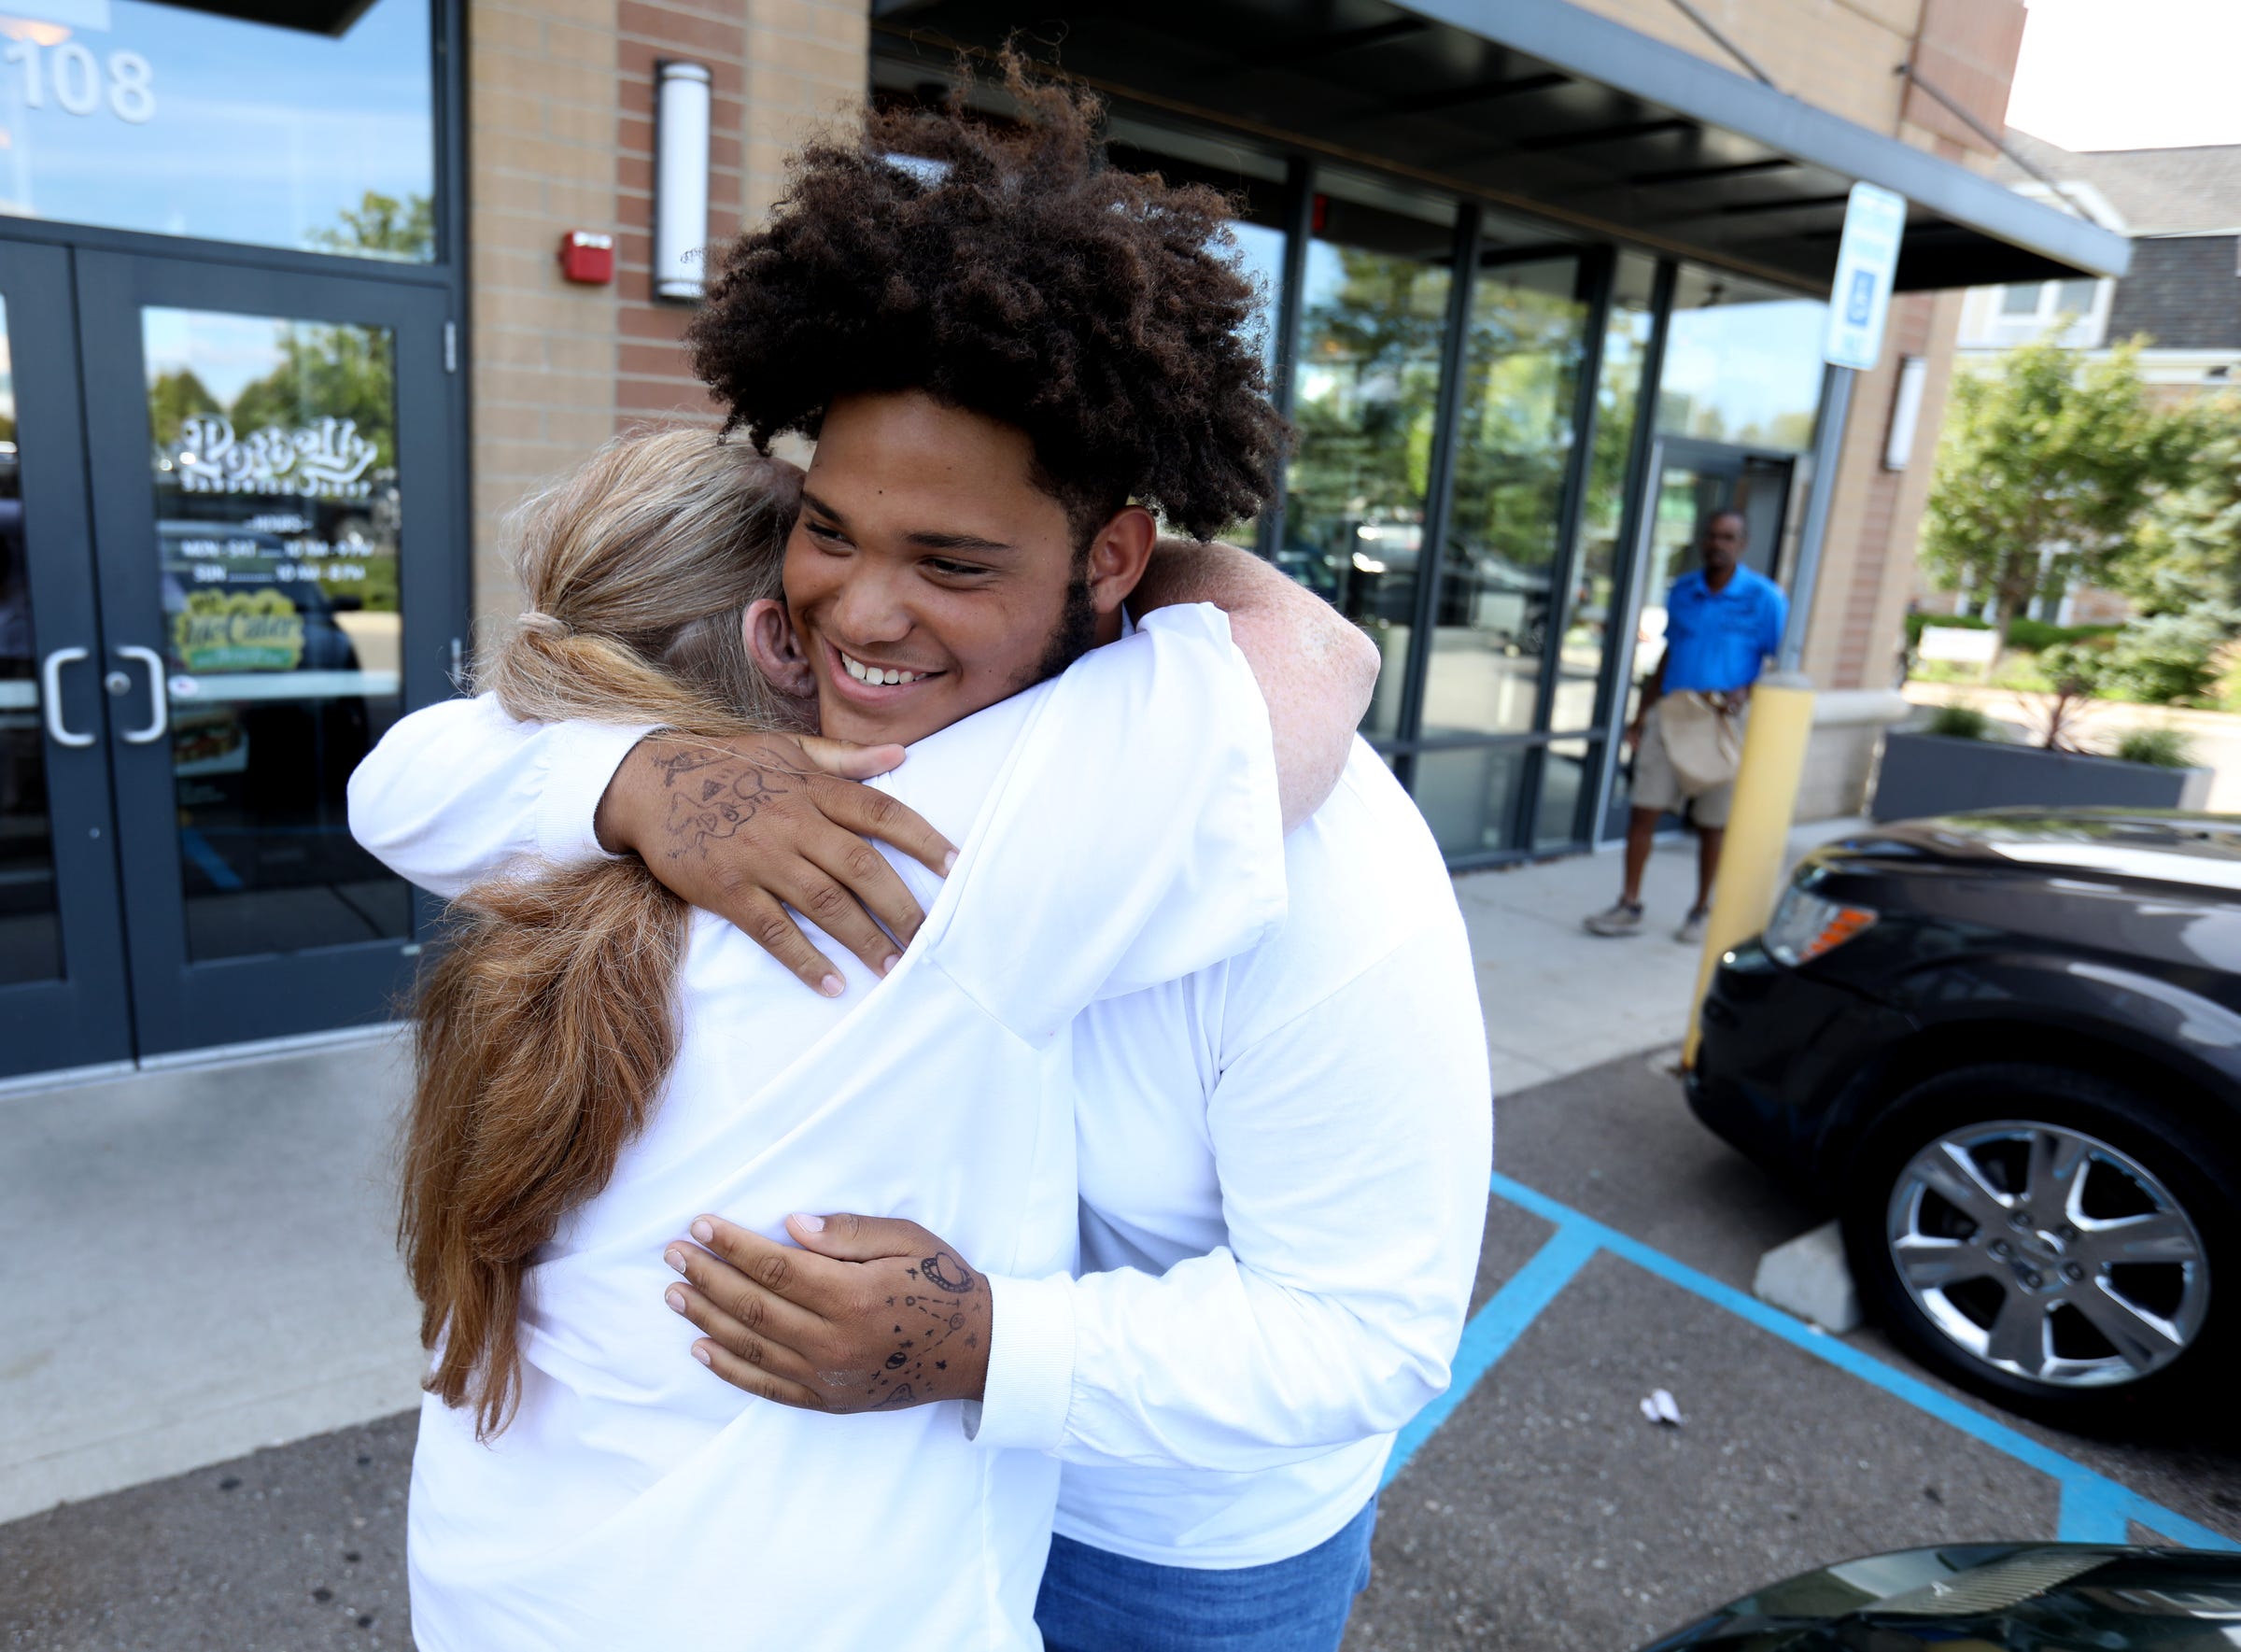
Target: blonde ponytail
[{"x": 545, "y": 1027}]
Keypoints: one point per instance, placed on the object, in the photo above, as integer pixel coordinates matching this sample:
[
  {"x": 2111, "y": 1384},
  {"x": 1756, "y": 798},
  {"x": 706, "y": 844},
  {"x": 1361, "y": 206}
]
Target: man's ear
[
  {"x": 776, "y": 650},
  {"x": 1118, "y": 555}
]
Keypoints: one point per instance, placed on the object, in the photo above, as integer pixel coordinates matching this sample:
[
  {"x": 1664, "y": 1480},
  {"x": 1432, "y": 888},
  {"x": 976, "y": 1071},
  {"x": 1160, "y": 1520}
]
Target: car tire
[{"x": 2017, "y": 1125}]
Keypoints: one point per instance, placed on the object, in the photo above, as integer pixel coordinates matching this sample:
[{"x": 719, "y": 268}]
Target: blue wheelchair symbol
[{"x": 1859, "y": 305}]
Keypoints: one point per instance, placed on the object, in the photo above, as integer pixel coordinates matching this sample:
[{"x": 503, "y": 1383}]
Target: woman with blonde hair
[{"x": 598, "y": 1063}]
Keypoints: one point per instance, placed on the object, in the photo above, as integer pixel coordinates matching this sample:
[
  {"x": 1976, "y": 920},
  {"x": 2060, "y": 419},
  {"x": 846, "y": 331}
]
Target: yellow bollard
[{"x": 1756, "y": 851}]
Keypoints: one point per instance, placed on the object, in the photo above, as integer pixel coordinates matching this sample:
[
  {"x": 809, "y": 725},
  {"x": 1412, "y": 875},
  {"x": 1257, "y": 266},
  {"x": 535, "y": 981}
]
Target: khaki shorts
[{"x": 1656, "y": 786}]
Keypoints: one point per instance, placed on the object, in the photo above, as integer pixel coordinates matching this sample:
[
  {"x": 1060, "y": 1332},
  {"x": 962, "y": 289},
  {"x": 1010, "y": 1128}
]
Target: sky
[{"x": 2129, "y": 73}]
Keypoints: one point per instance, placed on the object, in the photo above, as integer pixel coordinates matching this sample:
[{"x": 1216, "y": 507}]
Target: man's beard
[{"x": 1077, "y": 630}]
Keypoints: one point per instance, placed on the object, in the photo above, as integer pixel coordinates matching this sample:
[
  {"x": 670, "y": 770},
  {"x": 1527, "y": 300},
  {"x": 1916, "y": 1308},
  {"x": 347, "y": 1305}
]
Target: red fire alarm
[{"x": 588, "y": 257}]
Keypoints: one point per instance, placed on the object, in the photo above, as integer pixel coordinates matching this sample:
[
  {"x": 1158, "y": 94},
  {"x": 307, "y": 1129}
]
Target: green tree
[
  {"x": 1520, "y": 376},
  {"x": 2048, "y": 453},
  {"x": 2189, "y": 557},
  {"x": 173, "y": 398},
  {"x": 1363, "y": 441},
  {"x": 327, "y": 372},
  {"x": 381, "y": 226}
]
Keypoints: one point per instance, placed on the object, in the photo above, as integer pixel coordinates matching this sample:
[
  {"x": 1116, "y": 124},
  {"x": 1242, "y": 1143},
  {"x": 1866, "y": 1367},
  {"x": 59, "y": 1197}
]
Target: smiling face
[{"x": 928, "y": 574}]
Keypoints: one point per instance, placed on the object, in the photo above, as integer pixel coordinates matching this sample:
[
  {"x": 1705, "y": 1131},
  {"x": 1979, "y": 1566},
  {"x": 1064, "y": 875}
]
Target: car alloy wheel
[{"x": 2046, "y": 1253}]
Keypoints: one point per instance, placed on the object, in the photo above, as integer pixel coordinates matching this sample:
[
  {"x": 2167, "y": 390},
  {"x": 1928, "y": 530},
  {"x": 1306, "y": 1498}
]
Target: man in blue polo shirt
[{"x": 1721, "y": 624}]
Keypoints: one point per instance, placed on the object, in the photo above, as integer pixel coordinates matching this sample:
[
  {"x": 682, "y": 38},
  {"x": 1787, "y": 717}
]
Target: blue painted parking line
[
  {"x": 2094, "y": 1508},
  {"x": 1494, "y": 1328}
]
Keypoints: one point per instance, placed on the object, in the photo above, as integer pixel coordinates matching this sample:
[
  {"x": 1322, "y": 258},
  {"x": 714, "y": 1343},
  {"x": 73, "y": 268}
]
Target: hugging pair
[{"x": 1123, "y": 1173}]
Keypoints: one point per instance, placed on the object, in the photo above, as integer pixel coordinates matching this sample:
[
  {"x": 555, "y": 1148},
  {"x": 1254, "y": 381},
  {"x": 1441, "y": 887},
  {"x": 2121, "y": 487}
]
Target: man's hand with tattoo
[
  {"x": 872, "y": 1313},
  {"x": 748, "y": 827}
]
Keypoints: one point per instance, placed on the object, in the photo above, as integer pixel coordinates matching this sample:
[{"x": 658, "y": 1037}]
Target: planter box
[{"x": 1935, "y": 775}]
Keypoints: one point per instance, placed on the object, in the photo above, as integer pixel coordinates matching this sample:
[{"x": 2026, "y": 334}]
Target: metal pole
[
  {"x": 1828, "y": 448},
  {"x": 1782, "y": 729}
]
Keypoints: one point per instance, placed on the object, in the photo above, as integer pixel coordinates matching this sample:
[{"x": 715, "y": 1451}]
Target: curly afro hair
[{"x": 1022, "y": 279}]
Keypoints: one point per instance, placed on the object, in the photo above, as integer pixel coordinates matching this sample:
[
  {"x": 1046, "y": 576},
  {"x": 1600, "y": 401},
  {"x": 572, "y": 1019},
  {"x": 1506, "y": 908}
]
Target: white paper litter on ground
[{"x": 1660, "y": 1408}]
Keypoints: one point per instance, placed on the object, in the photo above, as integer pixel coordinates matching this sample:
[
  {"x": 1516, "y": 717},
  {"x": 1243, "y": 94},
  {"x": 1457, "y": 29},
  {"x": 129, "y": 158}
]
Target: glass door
[
  {"x": 273, "y": 505},
  {"x": 1694, "y": 480},
  {"x": 63, "y": 996},
  {"x": 1691, "y": 480}
]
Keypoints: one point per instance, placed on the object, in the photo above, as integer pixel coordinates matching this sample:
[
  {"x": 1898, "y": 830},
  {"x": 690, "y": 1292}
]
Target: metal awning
[{"x": 1546, "y": 107}]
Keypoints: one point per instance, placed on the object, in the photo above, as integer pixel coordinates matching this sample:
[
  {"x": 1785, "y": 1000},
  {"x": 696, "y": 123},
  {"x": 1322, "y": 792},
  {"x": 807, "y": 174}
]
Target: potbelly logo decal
[{"x": 324, "y": 459}]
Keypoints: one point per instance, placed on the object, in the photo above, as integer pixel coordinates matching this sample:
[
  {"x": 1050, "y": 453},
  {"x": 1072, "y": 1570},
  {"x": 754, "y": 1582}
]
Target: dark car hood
[
  {"x": 2027, "y": 1597},
  {"x": 2202, "y": 851}
]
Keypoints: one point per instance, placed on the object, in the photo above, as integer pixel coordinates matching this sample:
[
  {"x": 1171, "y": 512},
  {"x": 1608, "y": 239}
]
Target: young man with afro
[{"x": 1010, "y": 356}]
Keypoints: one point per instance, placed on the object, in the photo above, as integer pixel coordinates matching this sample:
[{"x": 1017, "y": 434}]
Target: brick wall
[
  {"x": 541, "y": 115},
  {"x": 1966, "y": 48},
  {"x": 652, "y": 381},
  {"x": 1867, "y": 570},
  {"x": 780, "y": 68},
  {"x": 1840, "y": 55},
  {"x": 1832, "y": 53},
  {"x": 561, "y": 116}
]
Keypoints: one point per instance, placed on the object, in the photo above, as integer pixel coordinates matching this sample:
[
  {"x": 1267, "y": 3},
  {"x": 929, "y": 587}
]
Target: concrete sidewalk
[
  {"x": 198, "y": 1263},
  {"x": 1559, "y": 1000}
]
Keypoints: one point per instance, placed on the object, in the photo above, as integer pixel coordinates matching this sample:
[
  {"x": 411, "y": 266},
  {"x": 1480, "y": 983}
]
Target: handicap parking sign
[{"x": 1866, "y": 259}]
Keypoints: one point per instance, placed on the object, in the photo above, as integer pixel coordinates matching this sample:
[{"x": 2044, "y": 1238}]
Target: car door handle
[
  {"x": 50, "y": 690},
  {"x": 159, "y": 708}
]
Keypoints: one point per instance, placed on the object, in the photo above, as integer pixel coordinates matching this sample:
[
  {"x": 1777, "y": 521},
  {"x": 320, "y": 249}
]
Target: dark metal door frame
[
  {"x": 83, "y": 1018},
  {"x": 180, "y": 1004},
  {"x": 1730, "y": 460},
  {"x": 1647, "y": 472}
]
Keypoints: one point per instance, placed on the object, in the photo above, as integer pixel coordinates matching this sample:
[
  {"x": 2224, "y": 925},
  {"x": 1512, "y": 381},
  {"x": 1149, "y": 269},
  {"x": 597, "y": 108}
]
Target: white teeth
[{"x": 884, "y": 675}]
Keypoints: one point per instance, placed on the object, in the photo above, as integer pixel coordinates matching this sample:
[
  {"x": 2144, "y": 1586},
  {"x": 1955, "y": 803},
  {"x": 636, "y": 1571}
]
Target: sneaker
[
  {"x": 1691, "y": 932},
  {"x": 1624, "y": 918}
]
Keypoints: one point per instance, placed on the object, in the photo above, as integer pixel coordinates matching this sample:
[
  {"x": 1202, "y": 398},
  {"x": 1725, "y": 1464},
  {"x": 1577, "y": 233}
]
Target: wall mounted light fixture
[
  {"x": 1906, "y": 412},
  {"x": 681, "y": 99}
]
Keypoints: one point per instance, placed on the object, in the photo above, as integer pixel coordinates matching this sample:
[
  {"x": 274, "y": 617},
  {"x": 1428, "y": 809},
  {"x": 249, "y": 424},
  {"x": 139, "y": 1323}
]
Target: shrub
[
  {"x": 2038, "y": 634},
  {"x": 2076, "y": 667},
  {"x": 2164, "y": 659},
  {"x": 1959, "y": 722},
  {"x": 2160, "y": 748}
]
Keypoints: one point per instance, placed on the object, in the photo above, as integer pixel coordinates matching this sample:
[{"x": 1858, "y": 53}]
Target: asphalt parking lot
[
  {"x": 1535, "y": 1508},
  {"x": 1545, "y": 1511}
]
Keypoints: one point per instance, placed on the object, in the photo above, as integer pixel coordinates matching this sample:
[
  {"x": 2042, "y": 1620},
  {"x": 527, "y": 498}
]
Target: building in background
[
  {"x": 298, "y": 302},
  {"x": 2181, "y": 297}
]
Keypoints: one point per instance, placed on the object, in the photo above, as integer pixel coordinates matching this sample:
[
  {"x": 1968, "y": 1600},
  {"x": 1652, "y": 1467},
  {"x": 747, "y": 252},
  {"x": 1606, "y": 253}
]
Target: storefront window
[
  {"x": 1498, "y": 580},
  {"x": 1600, "y": 603},
  {"x": 1567, "y": 770},
  {"x": 1453, "y": 789},
  {"x": 1255, "y": 185},
  {"x": 1366, "y": 390},
  {"x": 1260, "y": 256},
  {"x": 1742, "y": 362},
  {"x": 320, "y": 136}
]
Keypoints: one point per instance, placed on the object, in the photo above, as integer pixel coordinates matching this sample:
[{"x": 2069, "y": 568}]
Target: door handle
[
  {"x": 158, "y": 707},
  {"x": 50, "y": 691}
]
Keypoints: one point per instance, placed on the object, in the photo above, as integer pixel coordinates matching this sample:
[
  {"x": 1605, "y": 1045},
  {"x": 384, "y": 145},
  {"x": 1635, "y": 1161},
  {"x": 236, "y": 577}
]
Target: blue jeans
[{"x": 1094, "y": 1600}]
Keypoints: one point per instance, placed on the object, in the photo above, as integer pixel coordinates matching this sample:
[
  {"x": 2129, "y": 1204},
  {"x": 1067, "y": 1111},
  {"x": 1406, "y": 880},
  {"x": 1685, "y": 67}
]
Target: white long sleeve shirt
[
  {"x": 1283, "y": 1164},
  {"x": 942, "y": 1092}
]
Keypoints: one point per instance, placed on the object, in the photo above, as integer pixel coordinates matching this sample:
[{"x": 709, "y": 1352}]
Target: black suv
[{"x": 2008, "y": 1048}]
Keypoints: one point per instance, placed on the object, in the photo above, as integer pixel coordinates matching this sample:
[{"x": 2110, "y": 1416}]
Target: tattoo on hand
[
  {"x": 944, "y": 1272},
  {"x": 955, "y": 1306},
  {"x": 714, "y": 806}
]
